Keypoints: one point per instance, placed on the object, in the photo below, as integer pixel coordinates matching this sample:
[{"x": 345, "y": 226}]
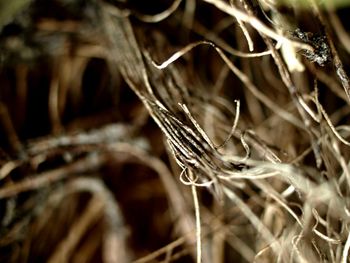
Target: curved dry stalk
[
  {"x": 176, "y": 199},
  {"x": 93, "y": 161},
  {"x": 7, "y": 168},
  {"x": 191, "y": 46},
  {"x": 102, "y": 204},
  {"x": 160, "y": 16},
  {"x": 114, "y": 239},
  {"x": 283, "y": 207},
  {"x": 245, "y": 32},
  {"x": 66, "y": 247},
  {"x": 234, "y": 126},
  {"x": 213, "y": 37},
  {"x": 296, "y": 250},
  {"x": 256, "y": 23},
  {"x": 263, "y": 98},
  {"x": 259, "y": 95}
]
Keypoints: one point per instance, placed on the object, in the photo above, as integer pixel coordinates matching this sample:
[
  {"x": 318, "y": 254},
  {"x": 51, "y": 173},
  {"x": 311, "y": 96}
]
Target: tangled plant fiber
[{"x": 177, "y": 131}]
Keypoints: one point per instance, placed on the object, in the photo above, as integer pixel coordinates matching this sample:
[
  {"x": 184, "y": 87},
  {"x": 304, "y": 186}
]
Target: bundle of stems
[{"x": 175, "y": 131}]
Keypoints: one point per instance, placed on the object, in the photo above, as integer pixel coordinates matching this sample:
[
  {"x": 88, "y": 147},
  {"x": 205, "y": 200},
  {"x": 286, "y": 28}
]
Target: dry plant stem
[
  {"x": 247, "y": 36},
  {"x": 34, "y": 182},
  {"x": 245, "y": 32},
  {"x": 338, "y": 64},
  {"x": 182, "y": 139},
  {"x": 162, "y": 251},
  {"x": 102, "y": 204},
  {"x": 189, "y": 14},
  {"x": 343, "y": 36},
  {"x": 256, "y": 92},
  {"x": 54, "y": 98},
  {"x": 70, "y": 84},
  {"x": 255, "y": 23},
  {"x": 9, "y": 129},
  {"x": 22, "y": 89},
  {"x": 280, "y": 200},
  {"x": 321, "y": 193},
  {"x": 97, "y": 137},
  {"x": 240, "y": 246},
  {"x": 177, "y": 201},
  {"x": 224, "y": 234},
  {"x": 220, "y": 81},
  {"x": 104, "y": 135},
  {"x": 87, "y": 250},
  {"x": 253, "y": 104},
  {"x": 168, "y": 256},
  {"x": 160, "y": 16},
  {"x": 114, "y": 245},
  {"x": 261, "y": 147},
  {"x": 342, "y": 162},
  {"x": 329, "y": 122},
  {"x": 198, "y": 219},
  {"x": 235, "y": 123},
  {"x": 214, "y": 125},
  {"x": 221, "y": 228},
  {"x": 179, "y": 54},
  {"x": 329, "y": 81},
  {"x": 184, "y": 135},
  {"x": 10, "y": 211},
  {"x": 256, "y": 223},
  {"x": 7, "y": 168},
  {"x": 209, "y": 35},
  {"x": 90, "y": 216},
  {"x": 346, "y": 250},
  {"x": 298, "y": 101},
  {"x": 223, "y": 24},
  {"x": 65, "y": 73},
  {"x": 130, "y": 62},
  {"x": 219, "y": 237},
  {"x": 259, "y": 95},
  {"x": 296, "y": 250},
  {"x": 177, "y": 255}
]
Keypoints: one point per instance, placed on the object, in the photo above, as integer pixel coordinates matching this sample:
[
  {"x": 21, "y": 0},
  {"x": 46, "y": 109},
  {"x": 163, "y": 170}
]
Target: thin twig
[
  {"x": 198, "y": 220},
  {"x": 254, "y": 22}
]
